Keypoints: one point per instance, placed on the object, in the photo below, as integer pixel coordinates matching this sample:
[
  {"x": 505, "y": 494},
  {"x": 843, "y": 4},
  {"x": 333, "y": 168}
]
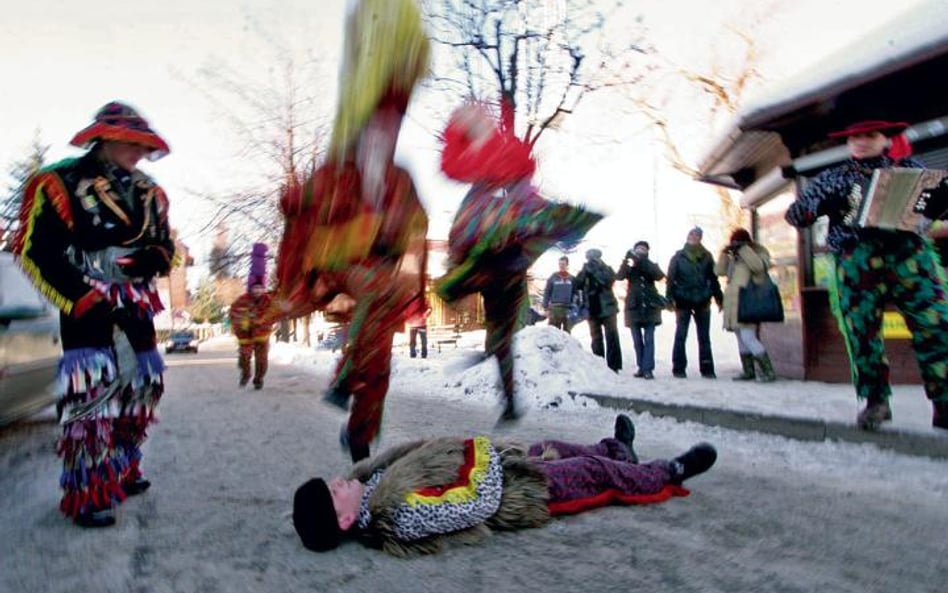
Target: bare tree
[
  {"x": 536, "y": 58},
  {"x": 282, "y": 123},
  {"x": 19, "y": 173},
  {"x": 716, "y": 93}
]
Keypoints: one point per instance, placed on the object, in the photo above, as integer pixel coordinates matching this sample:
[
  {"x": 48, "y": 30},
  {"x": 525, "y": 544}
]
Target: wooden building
[{"x": 773, "y": 147}]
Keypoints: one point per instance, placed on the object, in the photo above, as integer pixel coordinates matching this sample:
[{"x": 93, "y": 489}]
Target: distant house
[
  {"x": 900, "y": 73},
  {"x": 173, "y": 289}
]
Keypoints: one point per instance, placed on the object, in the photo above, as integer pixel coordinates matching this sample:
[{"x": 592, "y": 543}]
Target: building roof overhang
[{"x": 897, "y": 72}]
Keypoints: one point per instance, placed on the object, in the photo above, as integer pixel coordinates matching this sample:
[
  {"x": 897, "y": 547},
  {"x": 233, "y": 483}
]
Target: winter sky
[{"x": 60, "y": 60}]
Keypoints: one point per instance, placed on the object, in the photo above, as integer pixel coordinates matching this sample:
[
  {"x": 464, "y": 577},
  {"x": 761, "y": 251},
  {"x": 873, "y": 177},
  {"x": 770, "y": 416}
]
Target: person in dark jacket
[
  {"x": 421, "y": 496},
  {"x": 558, "y": 296},
  {"x": 595, "y": 281},
  {"x": 643, "y": 305},
  {"x": 875, "y": 266},
  {"x": 93, "y": 237},
  {"x": 690, "y": 287}
]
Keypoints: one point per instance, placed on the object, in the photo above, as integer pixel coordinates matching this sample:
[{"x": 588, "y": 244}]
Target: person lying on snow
[{"x": 420, "y": 496}]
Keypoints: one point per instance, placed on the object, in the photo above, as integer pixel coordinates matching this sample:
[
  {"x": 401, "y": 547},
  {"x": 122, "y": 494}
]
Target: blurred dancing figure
[
  {"x": 502, "y": 226},
  {"x": 93, "y": 236},
  {"x": 247, "y": 320},
  {"x": 354, "y": 237}
]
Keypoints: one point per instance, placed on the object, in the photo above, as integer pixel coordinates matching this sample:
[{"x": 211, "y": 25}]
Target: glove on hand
[{"x": 143, "y": 263}]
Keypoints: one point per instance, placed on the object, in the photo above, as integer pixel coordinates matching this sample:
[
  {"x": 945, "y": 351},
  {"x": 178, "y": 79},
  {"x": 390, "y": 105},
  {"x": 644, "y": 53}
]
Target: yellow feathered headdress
[{"x": 385, "y": 54}]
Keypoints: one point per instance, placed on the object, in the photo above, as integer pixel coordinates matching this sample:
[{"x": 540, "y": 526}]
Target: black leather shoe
[
  {"x": 680, "y": 374},
  {"x": 638, "y": 374},
  {"x": 103, "y": 518},
  {"x": 136, "y": 487},
  {"x": 648, "y": 375},
  {"x": 258, "y": 384},
  {"x": 625, "y": 433}
]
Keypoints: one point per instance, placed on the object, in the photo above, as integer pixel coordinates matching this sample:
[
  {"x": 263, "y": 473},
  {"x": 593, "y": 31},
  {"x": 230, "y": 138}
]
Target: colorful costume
[
  {"x": 419, "y": 497},
  {"x": 354, "y": 241},
  {"x": 875, "y": 266},
  {"x": 502, "y": 226},
  {"x": 247, "y": 315},
  {"x": 93, "y": 237}
]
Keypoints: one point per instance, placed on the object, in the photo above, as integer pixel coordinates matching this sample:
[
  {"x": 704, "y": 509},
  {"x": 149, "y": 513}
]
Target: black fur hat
[{"x": 314, "y": 516}]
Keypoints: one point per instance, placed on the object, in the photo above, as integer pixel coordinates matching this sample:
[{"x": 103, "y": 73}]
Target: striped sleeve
[{"x": 43, "y": 239}]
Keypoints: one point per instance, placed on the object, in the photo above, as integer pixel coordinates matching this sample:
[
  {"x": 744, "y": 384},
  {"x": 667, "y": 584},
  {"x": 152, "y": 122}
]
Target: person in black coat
[
  {"x": 691, "y": 285},
  {"x": 93, "y": 237},
  {"x": 643, "y": 305},
  {"x": 595, "y": 281}
]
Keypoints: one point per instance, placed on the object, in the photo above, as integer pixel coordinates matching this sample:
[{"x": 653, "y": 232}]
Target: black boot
[
  {"x": 766, "y": 368},
  {"x": 335, "y": 397},
  {"x": 876, "y": 412},
  {"x": 137, "y": 487},
  {"x": 625, "y": 434},
  {"x": 940, "y": 414},
  {"x": 747, "y": 365},
  {"x": 357, "y": 451},
  {"x": 93, "y": 519},
  {"x": 696, "y": 460}
]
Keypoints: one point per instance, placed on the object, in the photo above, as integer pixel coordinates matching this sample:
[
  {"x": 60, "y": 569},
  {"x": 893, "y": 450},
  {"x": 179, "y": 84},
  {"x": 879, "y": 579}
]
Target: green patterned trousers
[{"x": 904, "y": 270}]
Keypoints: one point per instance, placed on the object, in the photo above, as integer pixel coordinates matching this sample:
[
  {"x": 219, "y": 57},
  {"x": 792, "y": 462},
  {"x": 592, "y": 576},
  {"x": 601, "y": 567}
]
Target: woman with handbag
[{"x": 743, "y": 261}]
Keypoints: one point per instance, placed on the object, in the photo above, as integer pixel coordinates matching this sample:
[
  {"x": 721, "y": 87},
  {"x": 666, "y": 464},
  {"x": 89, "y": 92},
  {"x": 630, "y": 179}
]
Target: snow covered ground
[{"x": 552, "y": 367}]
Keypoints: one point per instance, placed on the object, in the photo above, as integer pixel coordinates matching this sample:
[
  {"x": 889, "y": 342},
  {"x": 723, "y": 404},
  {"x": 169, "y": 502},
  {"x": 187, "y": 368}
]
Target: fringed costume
[
  {"x": 354, "y": 238},
  {"x": 422, "y": 497},
  {"x": 248, "y": 321},
  {"x": 93, "y": 237},
  {"x": 502, "y": 226}
]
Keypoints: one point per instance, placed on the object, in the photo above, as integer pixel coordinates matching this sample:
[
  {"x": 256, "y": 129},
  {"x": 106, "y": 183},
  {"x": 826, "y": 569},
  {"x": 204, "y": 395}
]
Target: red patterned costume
[
  {"x": 253, "y": 337},
  {"x": 354, "y": 239}
]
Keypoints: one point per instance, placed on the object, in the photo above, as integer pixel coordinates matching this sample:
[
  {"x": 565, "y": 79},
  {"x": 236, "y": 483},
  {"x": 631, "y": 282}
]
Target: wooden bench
[{"x": 442, "y": 335}]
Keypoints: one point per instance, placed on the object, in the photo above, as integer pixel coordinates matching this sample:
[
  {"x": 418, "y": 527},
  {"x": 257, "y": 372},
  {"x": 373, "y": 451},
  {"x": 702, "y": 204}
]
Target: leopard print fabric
[{"x": 417, "y": 521}]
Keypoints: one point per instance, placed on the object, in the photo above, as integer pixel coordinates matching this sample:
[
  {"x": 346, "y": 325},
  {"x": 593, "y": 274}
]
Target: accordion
[{"x": 902, "y": 199}]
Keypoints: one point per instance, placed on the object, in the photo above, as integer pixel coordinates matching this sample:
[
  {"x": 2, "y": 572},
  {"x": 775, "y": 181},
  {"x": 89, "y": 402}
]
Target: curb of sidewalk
[{"x": 803, "y": 429}]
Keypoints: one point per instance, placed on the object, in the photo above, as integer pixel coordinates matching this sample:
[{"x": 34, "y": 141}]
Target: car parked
[
  {"x": 30, "y": 346},
  {"x": 181, "y": 341}
]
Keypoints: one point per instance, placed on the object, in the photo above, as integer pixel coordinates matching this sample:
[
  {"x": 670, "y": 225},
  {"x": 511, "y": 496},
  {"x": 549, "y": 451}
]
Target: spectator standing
[
  {"x": 558, "y": 296},
  {"x": 643, "y": 305},
  {"x": 595, "y": 281},
  {"x": 690, "y": 287},
  {"x": 418, "y": 330},
  {"x": 743, "y": 261}
]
